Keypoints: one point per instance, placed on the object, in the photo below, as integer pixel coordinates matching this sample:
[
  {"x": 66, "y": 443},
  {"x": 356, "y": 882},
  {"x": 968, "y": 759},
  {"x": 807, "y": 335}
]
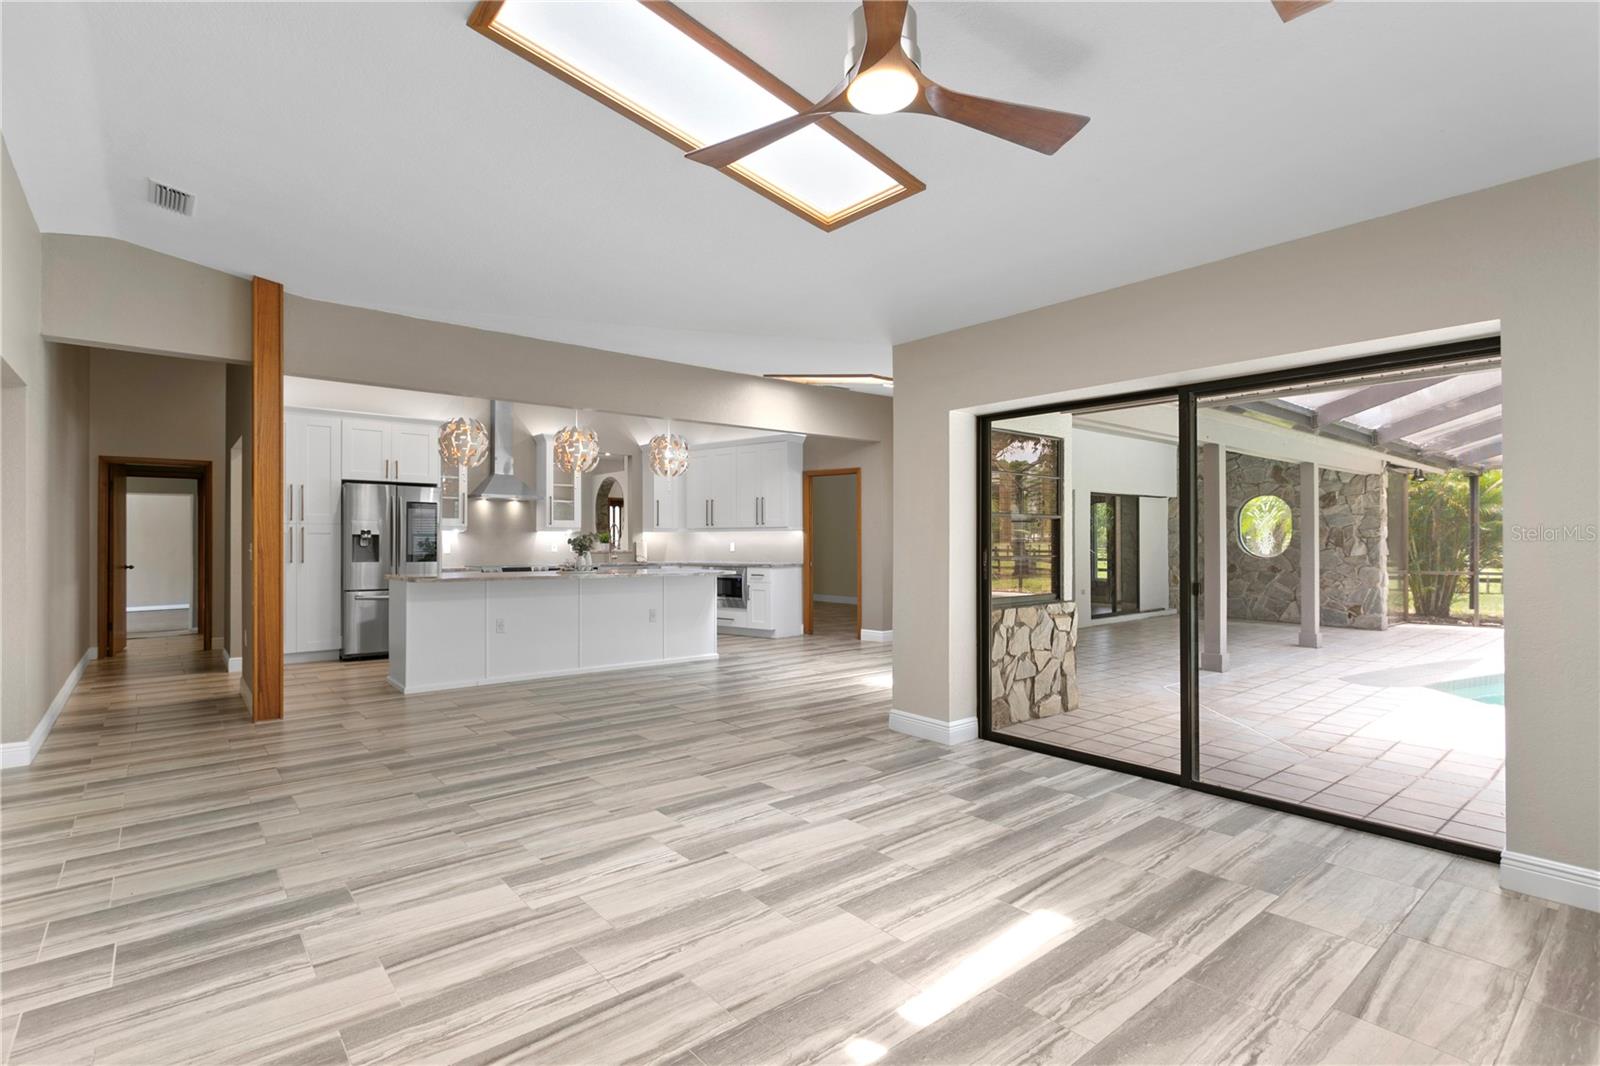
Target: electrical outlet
[
  {"x": 732, "y": 546},
  {"x": 652, "y": 614},
  {"x": 499, "y": 625}
]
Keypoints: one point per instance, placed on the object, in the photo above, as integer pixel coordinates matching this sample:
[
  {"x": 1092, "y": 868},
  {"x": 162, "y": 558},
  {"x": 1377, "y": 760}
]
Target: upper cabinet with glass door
[{"x": 559, "y": 490}]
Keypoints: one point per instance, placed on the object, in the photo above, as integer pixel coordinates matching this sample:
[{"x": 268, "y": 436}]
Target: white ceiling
[{"x": 387, "y": 156}]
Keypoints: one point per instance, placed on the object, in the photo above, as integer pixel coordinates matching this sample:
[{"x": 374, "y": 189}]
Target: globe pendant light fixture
[
  {"x": 463, "y": 442},
  {"x": 577, "y": 448},
  {"x": 669, "y": 453}
]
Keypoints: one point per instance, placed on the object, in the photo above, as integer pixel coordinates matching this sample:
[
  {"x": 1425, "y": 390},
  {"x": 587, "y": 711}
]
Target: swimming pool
[{"x": 1490, "y": 688}]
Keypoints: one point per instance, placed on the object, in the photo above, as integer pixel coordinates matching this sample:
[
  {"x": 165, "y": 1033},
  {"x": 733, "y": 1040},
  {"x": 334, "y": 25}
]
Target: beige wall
[
  {"x": 104, "y": 293},
  {"x": 1524, "y": 254},
  {"x": 44, "y": 567},
  {"x": 161, "y": 541},
  {"x": 833, "y": 536},
  {"x": 167, "y": 305},
  {"x": 158, "y": 407},
  {"x": 236, "y": 427}
]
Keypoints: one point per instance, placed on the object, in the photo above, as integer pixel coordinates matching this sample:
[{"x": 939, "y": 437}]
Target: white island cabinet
[{"x": 463, "y": 629}]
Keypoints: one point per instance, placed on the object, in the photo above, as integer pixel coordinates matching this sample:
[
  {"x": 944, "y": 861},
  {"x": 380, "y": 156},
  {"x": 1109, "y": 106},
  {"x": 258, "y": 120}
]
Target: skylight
[{"x": 663, "y": 69}]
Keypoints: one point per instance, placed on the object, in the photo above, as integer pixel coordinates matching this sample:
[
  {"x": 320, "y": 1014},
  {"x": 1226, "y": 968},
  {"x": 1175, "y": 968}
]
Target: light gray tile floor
[
  {"x": 1352, "y": 727},
  {"x": 734, "y": 862}
]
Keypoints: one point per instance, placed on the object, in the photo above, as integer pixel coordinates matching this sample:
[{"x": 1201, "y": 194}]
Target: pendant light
[
  {"x": 669, "y": 453},
  {"x": 463, "y": 442},
  {"x": 577, "y": 448}
]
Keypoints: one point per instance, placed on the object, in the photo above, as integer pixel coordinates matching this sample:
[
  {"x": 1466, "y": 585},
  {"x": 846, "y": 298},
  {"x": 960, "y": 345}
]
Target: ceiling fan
[
  {"x": 1293, "y": 9},
  {"x": 882, "y": 76}
]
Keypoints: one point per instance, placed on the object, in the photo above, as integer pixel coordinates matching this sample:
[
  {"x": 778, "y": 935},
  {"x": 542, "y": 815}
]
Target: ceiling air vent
[{"x": 165, "y": 196}]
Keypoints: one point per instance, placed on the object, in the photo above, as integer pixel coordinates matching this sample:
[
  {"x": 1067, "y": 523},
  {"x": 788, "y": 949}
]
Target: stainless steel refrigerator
[{"x": 388, "y": 529}]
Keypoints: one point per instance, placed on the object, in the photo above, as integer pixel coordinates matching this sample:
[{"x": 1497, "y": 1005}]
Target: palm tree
[{"x": 1439, "y": 536}]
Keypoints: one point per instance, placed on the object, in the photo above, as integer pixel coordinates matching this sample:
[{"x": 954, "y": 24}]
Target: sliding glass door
[
  {"x": 1082, "y": 628},
  {"x": 1284, "y": 588}
]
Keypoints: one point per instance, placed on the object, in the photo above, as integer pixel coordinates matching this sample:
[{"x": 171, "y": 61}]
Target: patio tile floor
[{"x": 1353, "y": 727}]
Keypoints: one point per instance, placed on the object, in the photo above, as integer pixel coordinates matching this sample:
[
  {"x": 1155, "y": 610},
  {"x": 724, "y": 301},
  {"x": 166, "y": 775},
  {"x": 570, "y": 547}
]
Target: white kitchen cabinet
[
  {"x": 773, "y": 604},
  {"x": 312, "y": 465},
  {"x": 366, "y": 450},
  {"x": 663, "y": 498},
  {"x": 390, "y": 449},
  {"x": 752, "y": 485},
  {"x": 560, "y": 491},
  {"x": 712, "y": 500},
  {"x": 453, "y": 497},
  {"x": 776, "y": 472},
  {"x": 758, "y": 609},
  {"x": 415, "y": 449},
  {"x": 317, "y": 588}
]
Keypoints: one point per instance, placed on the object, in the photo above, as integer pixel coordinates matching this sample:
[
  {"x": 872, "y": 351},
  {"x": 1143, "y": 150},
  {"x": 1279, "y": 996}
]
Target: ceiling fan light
[{"x": 882, "y": 90}]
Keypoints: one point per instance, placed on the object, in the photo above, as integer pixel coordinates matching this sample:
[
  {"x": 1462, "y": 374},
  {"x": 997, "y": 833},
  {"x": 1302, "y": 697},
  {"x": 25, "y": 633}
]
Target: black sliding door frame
[{"x": 1188, "y": 398}]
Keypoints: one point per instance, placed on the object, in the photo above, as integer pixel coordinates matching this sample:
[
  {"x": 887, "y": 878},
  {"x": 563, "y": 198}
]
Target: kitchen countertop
[
  {"x": 599, "y": 572},
  {"x": 738, "y": 562}
]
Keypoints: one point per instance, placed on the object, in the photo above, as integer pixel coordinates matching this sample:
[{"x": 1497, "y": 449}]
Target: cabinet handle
[
  {"x": 658, "y": 512},
  {"x": 291, "y": 544},
  {"x": 302, "y": 545},
  {"x": 302, "y": 503}
]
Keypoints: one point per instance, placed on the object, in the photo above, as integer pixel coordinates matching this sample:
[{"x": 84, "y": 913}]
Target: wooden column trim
[{"x": 266, "y": 490}]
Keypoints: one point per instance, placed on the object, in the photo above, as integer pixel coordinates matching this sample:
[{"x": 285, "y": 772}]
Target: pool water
[{"x": 1489, "y": 689}]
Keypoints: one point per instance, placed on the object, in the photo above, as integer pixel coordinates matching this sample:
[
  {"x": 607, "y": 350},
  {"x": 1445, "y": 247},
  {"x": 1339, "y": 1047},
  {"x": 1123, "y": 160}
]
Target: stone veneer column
[{"x": 1033, "y": 669}]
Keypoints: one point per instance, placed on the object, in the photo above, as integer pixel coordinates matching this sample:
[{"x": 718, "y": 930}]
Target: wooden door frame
[
  {"x": 198, "y": 470},
  {"x": 805, "y": 508}
]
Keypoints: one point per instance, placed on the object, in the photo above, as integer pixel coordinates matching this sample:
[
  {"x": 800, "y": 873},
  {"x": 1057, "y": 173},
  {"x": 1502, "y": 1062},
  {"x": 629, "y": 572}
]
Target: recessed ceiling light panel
[
  {"x": 661, "y": 68},
  {"x": 837, "y": 380}
]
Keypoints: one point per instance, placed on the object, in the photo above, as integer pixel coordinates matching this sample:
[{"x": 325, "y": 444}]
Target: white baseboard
[
  {"x": 1573, "y": 885},
  {"x": 817, "y": 597},
  {"x": 235, "y": 663},
  {"x": 936, "y": 729},
  {"x": 878, "y": 636},
  {"x": 159, "y": 607},
  {"x": 23, "y": 752},
  {"x": 246, "y": 698}
]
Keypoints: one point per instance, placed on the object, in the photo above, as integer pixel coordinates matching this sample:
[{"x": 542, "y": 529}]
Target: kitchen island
[{"x": 467, "y": 628}]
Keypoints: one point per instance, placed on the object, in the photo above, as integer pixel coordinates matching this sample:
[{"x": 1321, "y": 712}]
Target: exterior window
[
  {"x": 1025, "y": 517},
  {"x": 1265, "y": 526}
]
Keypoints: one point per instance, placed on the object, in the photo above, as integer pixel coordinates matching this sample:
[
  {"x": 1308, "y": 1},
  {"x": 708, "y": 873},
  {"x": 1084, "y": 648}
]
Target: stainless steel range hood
[{"x": 502, "y": 482}]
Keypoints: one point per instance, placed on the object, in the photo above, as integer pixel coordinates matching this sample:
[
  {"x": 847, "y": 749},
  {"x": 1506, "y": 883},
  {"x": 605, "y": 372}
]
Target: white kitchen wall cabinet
[
  {"x": 390, "y": 449},
  {"x": 559, "y": 491},
  {"x": 712, "y": 500},
  {"x": 312, "y": 465},
  {"x": 663, "y": 498},
  {"x": 747, "y": 485},
  {"x": 453, "y": 482}
]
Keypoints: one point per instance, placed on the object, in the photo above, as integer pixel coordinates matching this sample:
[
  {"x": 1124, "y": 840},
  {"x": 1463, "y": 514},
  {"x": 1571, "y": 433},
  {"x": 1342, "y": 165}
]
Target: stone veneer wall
[
  {"x": 1355, "y": 546},
  {"x": 1033, "y": 670},
  {"x": 1355, "y": 559}
]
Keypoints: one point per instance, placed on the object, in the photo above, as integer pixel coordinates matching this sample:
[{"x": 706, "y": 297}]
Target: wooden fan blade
[
  {"x": 725, "y": 153},
  {"x": 886, "y": 19},
  {"x": 1293, "y": 9},
  {"x": 1038, "y": 128}
]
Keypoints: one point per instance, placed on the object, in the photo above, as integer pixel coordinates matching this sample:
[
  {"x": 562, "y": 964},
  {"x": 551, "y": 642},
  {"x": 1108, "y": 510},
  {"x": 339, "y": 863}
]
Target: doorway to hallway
[
  {"x": 153, "y": 553},
  {"x": 831, "y": 582}
]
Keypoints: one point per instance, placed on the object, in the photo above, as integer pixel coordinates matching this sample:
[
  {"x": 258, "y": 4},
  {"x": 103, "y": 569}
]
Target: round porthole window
[{"x": 1265, "y": 526}]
